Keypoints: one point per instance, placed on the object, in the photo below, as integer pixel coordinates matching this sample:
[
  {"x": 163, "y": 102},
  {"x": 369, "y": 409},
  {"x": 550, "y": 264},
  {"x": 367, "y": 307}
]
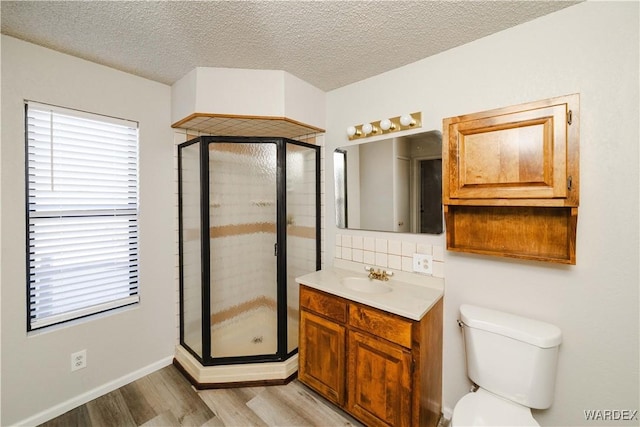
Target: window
[{"x": 82, "y": 214}]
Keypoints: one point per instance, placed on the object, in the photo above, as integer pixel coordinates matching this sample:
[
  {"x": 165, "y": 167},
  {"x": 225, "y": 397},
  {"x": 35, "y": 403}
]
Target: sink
[{"x": 365, "y": 285}]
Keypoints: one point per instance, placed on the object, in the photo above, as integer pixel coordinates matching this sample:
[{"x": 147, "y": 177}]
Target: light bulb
[
  {"x": 407, "y": 120},
  {"x": 367, "y": 128},
  {"x": 386, "y": 124},
  {"x": 351, "y": 130}
]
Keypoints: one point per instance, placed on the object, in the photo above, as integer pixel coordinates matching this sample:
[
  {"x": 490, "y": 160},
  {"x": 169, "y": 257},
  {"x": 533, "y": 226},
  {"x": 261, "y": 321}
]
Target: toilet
[{"x": 512, "y": 360}]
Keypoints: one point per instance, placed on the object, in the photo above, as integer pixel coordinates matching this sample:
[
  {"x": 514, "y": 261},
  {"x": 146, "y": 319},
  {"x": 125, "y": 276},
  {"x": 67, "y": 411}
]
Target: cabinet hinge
[
  {"x": 569, "y": 183},
  {"x": 275, "y": 249},
  {"x": 569, "y": 117}
]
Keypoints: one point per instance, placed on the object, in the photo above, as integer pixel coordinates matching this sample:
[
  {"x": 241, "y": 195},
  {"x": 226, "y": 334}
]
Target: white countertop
[{"x": 412, "y": 295}]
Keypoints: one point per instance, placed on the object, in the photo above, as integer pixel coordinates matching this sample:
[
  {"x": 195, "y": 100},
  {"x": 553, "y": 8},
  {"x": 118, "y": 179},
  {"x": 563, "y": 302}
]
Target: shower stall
[{"x": 249, "y": 223}]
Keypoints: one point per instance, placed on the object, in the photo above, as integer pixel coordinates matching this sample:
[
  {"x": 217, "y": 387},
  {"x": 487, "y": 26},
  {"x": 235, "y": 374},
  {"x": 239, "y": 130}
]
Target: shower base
[
  {"x": 250, "y": 334},
  {"x": 254, "y": 333},
  {"x": 247, "y": 374}
]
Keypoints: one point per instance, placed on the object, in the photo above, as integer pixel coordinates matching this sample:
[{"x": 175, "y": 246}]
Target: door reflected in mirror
[{"x": 392, "y": 185}]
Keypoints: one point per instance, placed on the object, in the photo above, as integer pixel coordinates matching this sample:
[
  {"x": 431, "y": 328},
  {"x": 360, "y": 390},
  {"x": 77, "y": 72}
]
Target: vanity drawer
[
  {"x": 384, "y": 325},
  {"x": 327, "y": 305}
]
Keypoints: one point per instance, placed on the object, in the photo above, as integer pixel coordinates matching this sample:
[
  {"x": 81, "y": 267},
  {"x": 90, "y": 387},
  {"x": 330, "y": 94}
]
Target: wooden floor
[{"x": 165, "y": 398}]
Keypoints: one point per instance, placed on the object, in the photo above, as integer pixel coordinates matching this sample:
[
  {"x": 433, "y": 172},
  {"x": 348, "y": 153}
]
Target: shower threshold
[{"x": 243, "y": 375}]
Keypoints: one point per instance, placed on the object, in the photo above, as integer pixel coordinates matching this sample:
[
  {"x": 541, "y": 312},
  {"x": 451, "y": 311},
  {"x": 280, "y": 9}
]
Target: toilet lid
[{"x": 483, "y": 408}]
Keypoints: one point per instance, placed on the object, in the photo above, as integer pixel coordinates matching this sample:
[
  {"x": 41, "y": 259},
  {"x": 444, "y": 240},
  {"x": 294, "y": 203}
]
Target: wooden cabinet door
[
  {"x": 379, "y": 386},
  {"x": 321, "y": 356},
  {"x": 523, "y": 152}
]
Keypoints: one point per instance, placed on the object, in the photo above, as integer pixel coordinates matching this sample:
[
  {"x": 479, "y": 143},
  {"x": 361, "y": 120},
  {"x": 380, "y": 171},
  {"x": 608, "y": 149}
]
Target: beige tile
[
  {"x": 369, "y": 257},
  {"x": 407, "y": 264},
  {"x": 395, "y": 262},
  {"x": 424, "y": 248},
  {"x": 357, "y": 255},
  {"x": 438, "y": 253},
  {"x": 369, "y": 244},
  {"x": 394, "y": 247},
  {"x": 408, "y": 248},
  {"x": 381, "y": 259},
  {"x": 381, "y": 245}
]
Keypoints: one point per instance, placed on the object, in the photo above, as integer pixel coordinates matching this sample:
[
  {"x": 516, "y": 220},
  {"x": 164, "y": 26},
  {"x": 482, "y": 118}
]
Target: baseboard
[
  {"x": 447, "y": 412},
  {"x": 68, "y": 405}
]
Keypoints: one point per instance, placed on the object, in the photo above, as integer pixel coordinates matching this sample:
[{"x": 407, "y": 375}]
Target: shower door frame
[{"x": 281, "y": 144}]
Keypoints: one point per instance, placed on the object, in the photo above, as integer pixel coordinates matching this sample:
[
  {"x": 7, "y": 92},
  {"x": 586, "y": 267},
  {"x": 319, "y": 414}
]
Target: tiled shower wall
[{"x": 301, "y": 220}]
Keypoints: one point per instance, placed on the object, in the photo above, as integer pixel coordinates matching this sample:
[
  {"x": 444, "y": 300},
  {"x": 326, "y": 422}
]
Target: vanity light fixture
[
  {"x": 368, "y": 128},
  {"x": 407, "y": 120},
  {"x": 384, "y": 126},
  {"x": 352, "y": 131}
]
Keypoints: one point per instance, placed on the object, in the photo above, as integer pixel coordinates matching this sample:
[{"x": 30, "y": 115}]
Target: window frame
[{"x": 97, "y": 302}]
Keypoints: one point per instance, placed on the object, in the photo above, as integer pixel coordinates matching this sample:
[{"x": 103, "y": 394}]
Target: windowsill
[{"x": 82, "y": 320}]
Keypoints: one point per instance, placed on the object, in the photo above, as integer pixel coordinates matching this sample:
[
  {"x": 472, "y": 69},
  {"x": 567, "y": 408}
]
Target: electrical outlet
[
  {"x": 423, "y": 263},
  {"x": 78, "y": 360}
]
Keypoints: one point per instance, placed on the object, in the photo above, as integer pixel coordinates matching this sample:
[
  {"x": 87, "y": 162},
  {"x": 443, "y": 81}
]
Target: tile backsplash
[{"x": 396, "y": 254}]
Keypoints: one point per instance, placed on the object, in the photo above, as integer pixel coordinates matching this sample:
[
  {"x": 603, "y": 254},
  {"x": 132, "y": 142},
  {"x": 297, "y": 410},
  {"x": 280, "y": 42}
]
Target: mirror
[{"x": 390, "y": 185}]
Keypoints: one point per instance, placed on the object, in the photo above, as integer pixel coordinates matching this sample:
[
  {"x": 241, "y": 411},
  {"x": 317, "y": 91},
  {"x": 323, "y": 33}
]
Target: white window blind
[{"x": 82, "y": 208}]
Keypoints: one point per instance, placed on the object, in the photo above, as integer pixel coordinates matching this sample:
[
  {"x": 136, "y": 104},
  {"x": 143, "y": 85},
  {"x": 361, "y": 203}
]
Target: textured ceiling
[{"x": 326, "y": 43}]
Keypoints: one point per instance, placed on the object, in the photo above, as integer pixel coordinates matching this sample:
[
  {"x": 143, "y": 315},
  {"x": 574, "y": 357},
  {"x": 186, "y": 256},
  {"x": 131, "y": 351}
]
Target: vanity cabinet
[
  {"x": 384, "y": 369},
  {"x": 322, "y": 344},
  {"x": 511, "y": 180},
  {"x": 379, "y": 376}
]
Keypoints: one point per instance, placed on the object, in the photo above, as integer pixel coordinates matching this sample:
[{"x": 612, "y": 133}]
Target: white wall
[
  {"x": 36, "y": 377},
  {"x": 590, "y": 48}
]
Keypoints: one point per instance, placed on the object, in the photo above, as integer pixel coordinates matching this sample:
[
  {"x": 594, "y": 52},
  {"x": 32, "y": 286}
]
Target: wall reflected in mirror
[{"x": 391, "y": 185}]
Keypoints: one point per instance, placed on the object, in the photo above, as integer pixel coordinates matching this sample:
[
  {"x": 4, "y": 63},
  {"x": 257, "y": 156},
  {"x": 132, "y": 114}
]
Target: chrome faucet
[{"x": 379, "y": 274}]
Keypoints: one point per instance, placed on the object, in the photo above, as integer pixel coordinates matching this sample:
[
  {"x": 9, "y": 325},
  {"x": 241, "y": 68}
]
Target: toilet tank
[{"x": 511, "y": 356}]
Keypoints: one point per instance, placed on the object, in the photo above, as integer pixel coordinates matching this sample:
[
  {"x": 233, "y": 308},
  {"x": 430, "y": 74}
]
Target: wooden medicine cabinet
[{"x": 511, "y": 180}]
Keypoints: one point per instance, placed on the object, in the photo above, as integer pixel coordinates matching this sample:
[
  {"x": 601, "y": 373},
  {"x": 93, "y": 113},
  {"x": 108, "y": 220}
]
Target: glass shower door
[
  {"x": 302, "y": 227},
  {"x": 242, "y": 236},
  {"x": 249, "y": 225},
  {"x": 190, "y": 247}
]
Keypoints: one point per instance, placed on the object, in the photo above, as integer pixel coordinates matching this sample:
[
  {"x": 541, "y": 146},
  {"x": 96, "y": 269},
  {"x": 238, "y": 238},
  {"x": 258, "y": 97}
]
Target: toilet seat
[{"x": 483, "y": 408}]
